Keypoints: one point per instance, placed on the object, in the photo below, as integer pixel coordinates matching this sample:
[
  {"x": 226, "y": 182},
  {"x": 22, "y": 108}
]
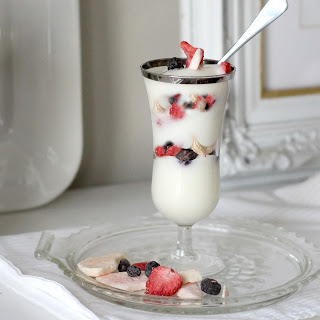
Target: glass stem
[{"x": 184, "y": 243}]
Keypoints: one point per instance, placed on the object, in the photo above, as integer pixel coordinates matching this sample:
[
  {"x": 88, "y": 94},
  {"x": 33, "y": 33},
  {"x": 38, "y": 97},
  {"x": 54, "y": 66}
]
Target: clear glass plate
[{"x": 263, "y": 264}]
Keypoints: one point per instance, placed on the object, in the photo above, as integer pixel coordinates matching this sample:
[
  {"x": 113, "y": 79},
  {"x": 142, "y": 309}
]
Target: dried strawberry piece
[
  {"x": 226, "y": 66},
  {"x": 189, "y": 50},
  {"x": 207, "y": 99},
  {"x": 210, "y": 101},
  {"x": 176, "y": 111},
  {"x": 141, "y": 265},
  {"x": 163, "y": 281},
  {"x": 173, "y": 151},
  {"x": 159, "y": 151}
]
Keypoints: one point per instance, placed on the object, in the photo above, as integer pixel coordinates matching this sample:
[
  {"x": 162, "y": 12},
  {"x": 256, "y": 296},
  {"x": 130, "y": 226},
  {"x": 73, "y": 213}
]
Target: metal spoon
[{"x": 269, "y": 13}]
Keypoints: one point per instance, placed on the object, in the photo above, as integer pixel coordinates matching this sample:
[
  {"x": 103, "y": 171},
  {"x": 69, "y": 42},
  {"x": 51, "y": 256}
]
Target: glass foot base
[{"x": 207, "y": 264}]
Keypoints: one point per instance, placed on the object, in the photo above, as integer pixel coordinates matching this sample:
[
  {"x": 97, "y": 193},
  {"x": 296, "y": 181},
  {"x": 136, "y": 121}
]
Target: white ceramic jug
[{"x": 40, "y": 100}]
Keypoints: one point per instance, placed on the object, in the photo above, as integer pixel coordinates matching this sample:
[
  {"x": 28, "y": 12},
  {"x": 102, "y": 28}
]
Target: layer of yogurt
[{"x": 186, "y": 194}]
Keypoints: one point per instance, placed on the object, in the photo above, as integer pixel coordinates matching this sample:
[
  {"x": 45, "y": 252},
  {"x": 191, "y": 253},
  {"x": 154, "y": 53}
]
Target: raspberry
[
  {"x": 189, "y": 50},
  {"x": 210, "y": 286},
  {"x": 141, "y": 265},
  {"x": 163, "y": 281},
  {"x": 226, "y": 66},
  {"x": 159, "y": 151},
  {"x": 176, "y": 112},
  {"x": 173, "y": 151}
]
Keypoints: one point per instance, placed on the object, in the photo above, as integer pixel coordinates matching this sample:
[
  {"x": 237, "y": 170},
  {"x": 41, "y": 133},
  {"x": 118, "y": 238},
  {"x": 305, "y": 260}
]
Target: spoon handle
[{"x": 269, "y": 13}]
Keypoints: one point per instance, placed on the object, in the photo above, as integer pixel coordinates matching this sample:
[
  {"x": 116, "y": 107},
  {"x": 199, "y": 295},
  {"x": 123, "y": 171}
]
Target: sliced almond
[
  {"x": 201, "y": 105},
  {"x": 198, "y": 148},
  {"x": 193, "y": 97},
  {"x": 157, "y": 107}
]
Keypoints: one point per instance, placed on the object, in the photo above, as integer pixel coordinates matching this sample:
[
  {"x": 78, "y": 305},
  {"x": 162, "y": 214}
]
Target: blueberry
[
  {"x": 204, "y": 96},
  {"x": 186, "y": 155},
  {"x": 133, "y": 271},
  {"x": 167, "y": 145},
  {"x": 123, "y": 265},
  {"x": 207, "y": 106},
  {"x": 175, "y": 63},
  {"x": 210, "y": 286},
  {"x": 174, "y": 98},
  {"x": 188, "y": 105},
  {"x": 150, "y": 266}
]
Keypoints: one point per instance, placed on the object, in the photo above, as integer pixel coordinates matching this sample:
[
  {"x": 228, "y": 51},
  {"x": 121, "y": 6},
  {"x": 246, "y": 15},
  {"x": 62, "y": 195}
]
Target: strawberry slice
[
  {"x": 226, "y": 66},
  {"x": 189, "y": 50},
  {"x": 141, "y": 265},
  {"x": 163, "y": 281},
  {"x": 176, "y": 111}
]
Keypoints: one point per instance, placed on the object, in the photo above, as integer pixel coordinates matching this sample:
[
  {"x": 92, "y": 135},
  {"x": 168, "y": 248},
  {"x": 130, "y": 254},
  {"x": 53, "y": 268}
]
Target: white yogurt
[{"x": 186, "y": 194}]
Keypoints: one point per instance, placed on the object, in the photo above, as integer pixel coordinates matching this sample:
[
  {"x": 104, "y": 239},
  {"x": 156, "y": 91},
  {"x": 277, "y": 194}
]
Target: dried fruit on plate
[{"x": 163, "y": 281}]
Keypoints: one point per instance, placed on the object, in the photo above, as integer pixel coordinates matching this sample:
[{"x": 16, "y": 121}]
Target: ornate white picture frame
[{"x": 277, "y": 138}]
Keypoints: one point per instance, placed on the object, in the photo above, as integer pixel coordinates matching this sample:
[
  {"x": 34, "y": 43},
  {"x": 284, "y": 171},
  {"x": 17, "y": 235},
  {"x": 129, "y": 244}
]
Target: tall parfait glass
[{"x": 187, "y": 112}]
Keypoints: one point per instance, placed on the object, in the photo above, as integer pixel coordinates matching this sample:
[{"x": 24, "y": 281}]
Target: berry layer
[{"x": 203, "y": 126}]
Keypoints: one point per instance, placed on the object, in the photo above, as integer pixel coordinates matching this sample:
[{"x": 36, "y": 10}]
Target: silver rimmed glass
[{"x": 187, "y": 113}]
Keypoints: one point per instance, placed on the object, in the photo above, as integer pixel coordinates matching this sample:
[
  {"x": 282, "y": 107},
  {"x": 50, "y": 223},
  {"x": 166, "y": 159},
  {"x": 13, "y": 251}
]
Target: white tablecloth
[{"x": 62, "y": 297}]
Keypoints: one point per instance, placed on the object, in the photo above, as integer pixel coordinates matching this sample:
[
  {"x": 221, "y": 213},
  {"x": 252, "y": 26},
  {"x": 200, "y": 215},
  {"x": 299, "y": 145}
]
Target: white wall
[{"x": 117, "y": 36}]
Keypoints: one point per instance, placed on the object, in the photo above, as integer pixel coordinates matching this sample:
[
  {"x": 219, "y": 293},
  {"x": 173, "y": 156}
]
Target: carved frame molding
[{"x": 277, "y": 137}]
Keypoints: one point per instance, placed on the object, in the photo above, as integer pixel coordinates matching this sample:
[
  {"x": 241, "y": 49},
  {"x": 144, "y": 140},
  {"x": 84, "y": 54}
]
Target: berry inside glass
[{"x": 187, "y": 99}]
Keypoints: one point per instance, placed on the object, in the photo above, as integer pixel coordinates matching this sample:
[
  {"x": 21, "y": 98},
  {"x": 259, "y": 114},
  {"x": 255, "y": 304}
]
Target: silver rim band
[{"x": 183, "y": 80}]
